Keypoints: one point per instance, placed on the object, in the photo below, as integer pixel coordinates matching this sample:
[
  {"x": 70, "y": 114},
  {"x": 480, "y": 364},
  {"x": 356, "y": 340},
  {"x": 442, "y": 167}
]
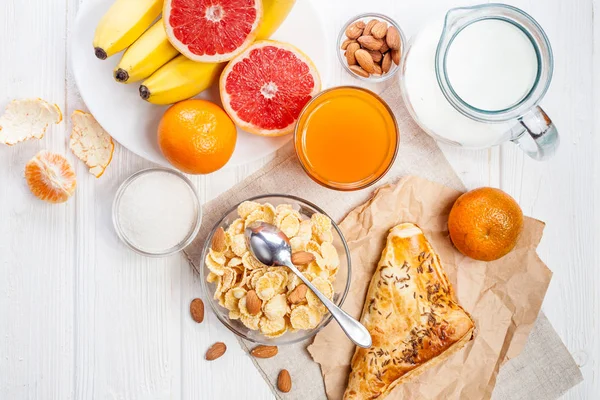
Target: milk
[{"x": 491, "y": 65}]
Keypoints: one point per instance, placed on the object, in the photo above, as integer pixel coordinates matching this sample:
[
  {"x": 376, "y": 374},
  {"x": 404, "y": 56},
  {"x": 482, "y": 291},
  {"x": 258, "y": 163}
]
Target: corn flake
[
  {"x": 276, "y": 308},
  {"x": 323, "y": 286},
  {"x": 254, "y": 276},
  {"x": 330, "y": 255},
  {"x": 304, "y": 317},
  {"x": 234, "y": 262},
  {"x": 298, "y": 244},
  {"x": 269, "y": 213},
  {"x": 214, "y": 266},
  {"x": 236, "y": 228},
  {"x": 238, "y": 245},
  {"x": 256, "y": 215},
  {"x": 247, "y": 208},
  {"x": 290, "y": 225},
  {"x": 250, "y": 321},
  {"x": 321, "y": 224},
  {"x": 250, "y": 262},
  {"x": 273, "y": 328}
]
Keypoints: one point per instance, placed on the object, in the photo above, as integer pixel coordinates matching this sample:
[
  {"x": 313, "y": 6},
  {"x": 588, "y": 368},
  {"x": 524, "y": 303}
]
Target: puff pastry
[{"x": 412, "y": 315}]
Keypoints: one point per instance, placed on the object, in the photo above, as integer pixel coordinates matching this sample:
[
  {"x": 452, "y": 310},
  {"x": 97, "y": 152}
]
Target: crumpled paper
[{"x": 504, "y": 297}]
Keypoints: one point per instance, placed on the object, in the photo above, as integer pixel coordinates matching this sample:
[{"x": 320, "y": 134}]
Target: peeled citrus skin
[
  {"x": 485, "y": 224},
  {"x": 197, "y": 136}
]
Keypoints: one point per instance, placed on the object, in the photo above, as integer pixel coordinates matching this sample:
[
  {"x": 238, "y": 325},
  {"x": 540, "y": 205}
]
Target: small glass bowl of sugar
[{"x": 156, "y": 212}]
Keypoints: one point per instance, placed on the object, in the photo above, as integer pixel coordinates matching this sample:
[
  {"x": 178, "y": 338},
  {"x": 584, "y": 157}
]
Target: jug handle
[{"x": 536, "y": 134}]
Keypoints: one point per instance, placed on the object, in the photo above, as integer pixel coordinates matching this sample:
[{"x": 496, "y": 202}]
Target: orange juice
[{"x": 346, "y": 138}]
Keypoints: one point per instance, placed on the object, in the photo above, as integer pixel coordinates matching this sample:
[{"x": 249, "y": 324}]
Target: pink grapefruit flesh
[
  {"x": 212, "y": 30},
  {"x": 265, "y": 88}
]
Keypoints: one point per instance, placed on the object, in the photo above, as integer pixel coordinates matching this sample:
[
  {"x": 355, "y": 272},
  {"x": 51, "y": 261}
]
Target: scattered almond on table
[
  {"x": 372, "y": 48},
  {"x": 215, "y": 351},
  {"x": 197, "y": 310},
  {"x": 264, "y": 351},
  {"x": 284, "y": 381}
]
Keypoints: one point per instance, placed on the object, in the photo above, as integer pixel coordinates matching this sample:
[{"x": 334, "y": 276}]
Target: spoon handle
[{"x": 353, "y": 329}]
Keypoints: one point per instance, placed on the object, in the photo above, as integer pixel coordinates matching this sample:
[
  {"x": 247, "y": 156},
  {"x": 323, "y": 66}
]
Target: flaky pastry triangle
[{"x": 412, "y": 315}]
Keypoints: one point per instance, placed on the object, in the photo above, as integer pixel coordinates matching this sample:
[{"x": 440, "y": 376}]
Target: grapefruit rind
[
  {"x": 208, "y": 58},
  {"x": 50, "y": 177},
  {"x": 27, "y": 119},
  {"x": 226, "y": 98},
  {"x": 90, "y": 143}
]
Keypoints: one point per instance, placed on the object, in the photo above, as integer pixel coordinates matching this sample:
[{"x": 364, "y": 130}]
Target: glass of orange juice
[{"x": 346, "y": 138}]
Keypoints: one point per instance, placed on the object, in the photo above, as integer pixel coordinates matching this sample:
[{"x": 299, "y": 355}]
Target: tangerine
[
  {"x": 197, "y": 136},
  {"x": 50, "y": 177},
  {"x": 485, "y": 223}
]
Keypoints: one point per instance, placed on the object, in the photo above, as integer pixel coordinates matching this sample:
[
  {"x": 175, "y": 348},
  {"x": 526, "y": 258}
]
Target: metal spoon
[{"x": 271, "y": 247}]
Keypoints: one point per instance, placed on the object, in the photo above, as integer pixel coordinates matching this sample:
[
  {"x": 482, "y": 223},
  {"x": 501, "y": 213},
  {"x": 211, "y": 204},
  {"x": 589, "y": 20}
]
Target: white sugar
[{"x": 157, "y": 211}]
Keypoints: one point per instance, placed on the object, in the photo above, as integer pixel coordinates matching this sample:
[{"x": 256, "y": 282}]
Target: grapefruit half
[
  {"x": 265, "y": 88},
  {"x": 212, "y": 30}
]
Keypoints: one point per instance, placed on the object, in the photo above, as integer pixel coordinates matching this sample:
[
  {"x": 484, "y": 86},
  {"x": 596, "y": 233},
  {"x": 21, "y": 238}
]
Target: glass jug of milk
[{"x": 474, "y": 78}]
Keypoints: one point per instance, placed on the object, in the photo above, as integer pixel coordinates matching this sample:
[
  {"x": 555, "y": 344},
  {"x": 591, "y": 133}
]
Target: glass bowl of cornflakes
[{"x": 270, "y": 305}]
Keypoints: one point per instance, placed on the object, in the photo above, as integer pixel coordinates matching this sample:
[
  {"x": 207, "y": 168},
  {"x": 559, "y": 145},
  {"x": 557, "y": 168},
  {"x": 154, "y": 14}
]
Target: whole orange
[
  {"x": 196, "y": 136},
  {"x": 485, "y": 224}
]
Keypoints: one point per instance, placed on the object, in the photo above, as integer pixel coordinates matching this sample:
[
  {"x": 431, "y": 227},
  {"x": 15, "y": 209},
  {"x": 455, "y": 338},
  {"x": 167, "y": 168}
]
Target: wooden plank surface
[{"x": 85, "y": 318}]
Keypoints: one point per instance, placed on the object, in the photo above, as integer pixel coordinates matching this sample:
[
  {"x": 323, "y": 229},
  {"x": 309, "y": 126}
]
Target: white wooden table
[{"x": 81, "y": 317}]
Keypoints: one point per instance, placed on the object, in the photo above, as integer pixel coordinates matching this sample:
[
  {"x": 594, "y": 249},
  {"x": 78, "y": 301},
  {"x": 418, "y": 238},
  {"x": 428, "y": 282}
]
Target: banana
[
  {"x": 150, "y": 52},
  {"x": 275, "y": 12},
  {"x": 182, "y": 78},
  {"x": 123, "y": 24}
]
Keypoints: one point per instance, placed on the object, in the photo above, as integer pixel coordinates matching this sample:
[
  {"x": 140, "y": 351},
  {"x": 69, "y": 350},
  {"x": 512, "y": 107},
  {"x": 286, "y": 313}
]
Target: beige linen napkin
[{"x": 544, "y": 370}]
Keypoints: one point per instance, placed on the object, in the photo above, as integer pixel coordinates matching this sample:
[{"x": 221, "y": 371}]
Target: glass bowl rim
[
  {"x": 338, "y": 188},
  {"x": 342, "y": 58},
  {"x": 213, "y": 304},
  {"x": 181, "y": 245}
]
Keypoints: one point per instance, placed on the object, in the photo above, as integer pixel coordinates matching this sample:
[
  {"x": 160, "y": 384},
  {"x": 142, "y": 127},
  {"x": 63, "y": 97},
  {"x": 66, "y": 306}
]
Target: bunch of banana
[
  {"x": 123, "y": 24},
  {"x": 182, "y": 78}
]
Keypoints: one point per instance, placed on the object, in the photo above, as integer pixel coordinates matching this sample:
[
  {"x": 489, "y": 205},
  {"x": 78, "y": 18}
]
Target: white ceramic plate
[{"x": 132, "y": 121}]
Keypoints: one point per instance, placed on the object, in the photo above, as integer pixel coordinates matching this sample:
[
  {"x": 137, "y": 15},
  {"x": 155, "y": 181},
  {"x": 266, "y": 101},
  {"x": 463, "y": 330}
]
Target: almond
[
  {"x": 379, "y": 30},
  {"x": 352, "y": 47},
  {"x": 197, "y": 310},
  {"x": 298, "y": 295},
  {"x": 386, "y": 64},
  {"x": 364, "y": 59},
  {"x": 377, "y": 70},
  {"x": 359, "y": 71},
  {"x": 218, "y": 241},
  {"x": 396, "y": 56},
  {"x": 253, "y": 303},
  {"x": 284, "y": 381},
  {"x": 215, "y": 351},
  {"x": 264, "y": 351},
  {"x": 347, "y": 42},
  {"x": 393, "y": 38},
  {"x": 355, "y": 30},
  {"x": 384, "y": 49},
  {"x": 302, "y": 258},
  {"x": 369, "y": 26},
  {"x": 376, "y": 56},
  {"x": 370, "y": 43}
]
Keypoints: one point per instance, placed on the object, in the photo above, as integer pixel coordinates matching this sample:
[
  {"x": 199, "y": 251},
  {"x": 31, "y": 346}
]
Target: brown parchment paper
[{"x": 504, "y": 297}]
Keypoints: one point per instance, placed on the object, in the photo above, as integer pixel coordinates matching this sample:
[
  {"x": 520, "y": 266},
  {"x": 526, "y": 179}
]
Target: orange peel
[
  {"x": 90, "y": 143},
  {"x": 50, "y": 177},
  {"x": 27, "y": 119}
]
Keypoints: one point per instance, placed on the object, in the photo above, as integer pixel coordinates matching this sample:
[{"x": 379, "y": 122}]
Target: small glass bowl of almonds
[
  {"x": 370, "y": 47},
  {"x": 270, "y": 305}
]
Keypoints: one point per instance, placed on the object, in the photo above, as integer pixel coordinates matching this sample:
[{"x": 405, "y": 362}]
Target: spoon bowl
[
  {"x": 271, "y": 247},
  {"x": 341, "y": 284}
]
